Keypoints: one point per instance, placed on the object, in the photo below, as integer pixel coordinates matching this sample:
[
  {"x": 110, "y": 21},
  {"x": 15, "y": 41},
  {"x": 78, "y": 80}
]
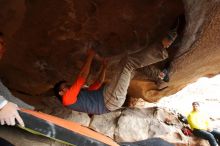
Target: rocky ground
[{"x": 127, "y": 125}]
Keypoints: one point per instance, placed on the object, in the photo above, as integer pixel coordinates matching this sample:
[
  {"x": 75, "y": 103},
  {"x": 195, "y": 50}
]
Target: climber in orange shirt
[{"x": 99, "y": 99}]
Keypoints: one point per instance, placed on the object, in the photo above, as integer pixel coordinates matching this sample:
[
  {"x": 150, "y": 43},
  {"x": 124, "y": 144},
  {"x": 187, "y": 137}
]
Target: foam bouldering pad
[{"x": 64, "y": 131}]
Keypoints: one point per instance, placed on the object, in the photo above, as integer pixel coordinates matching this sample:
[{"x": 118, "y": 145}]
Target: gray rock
[
  {"x": 79, "y": 117},
  {"x": 133, "y": 125},
  {"x": 105, "y": 123}
]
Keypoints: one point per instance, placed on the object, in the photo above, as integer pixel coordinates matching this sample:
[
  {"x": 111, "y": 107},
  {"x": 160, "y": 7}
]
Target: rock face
[
  {"x": 140, "y": 124},
  {"x": 108, "y": 122},
  {"x": 197, "y": 52},
  {"x": 47, "y": 41}
]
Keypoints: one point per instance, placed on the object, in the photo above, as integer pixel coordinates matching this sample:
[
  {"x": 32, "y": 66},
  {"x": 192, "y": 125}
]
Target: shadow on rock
[{"x": 148, "y": 142}]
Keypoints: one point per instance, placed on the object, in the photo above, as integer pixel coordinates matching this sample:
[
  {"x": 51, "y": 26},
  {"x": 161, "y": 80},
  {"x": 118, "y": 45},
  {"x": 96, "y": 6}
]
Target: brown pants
[{"x": 115, "y": 92}]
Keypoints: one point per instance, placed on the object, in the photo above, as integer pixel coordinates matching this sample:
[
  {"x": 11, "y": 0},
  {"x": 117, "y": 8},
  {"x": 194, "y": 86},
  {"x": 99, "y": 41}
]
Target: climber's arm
[{"x": 101, "y": 77}]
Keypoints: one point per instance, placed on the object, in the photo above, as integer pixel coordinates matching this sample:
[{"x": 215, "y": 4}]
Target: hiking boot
[
  {"x": 169, "y": 39},
  {"x": 172, "y": 34},
  {"x": 164, "y": 75}
]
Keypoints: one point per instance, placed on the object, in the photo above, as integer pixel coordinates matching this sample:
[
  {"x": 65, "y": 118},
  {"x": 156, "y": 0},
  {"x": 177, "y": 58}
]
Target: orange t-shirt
[{"x": 70, "y": 97}]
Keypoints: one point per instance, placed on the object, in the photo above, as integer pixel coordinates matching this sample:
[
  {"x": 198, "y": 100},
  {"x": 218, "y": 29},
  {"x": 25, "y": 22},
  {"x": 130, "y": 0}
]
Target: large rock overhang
[{"x": 46, "y": 40}]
